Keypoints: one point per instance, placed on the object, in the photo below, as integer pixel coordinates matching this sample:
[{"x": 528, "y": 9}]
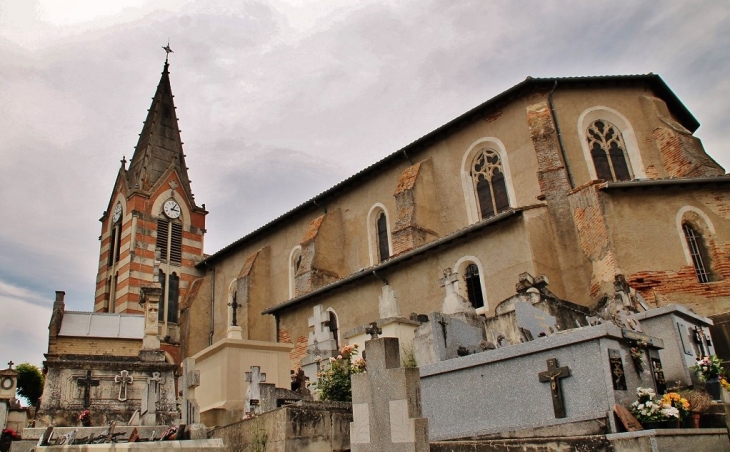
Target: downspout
[
  {"x": 383, "y": 280},
  {"x": 212, "y": 304},
  {"x": 560, "y": 136}
]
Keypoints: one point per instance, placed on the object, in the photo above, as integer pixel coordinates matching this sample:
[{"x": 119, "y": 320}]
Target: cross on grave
[
  {"x": 234, "y": 307},
  {"x": 149, "y": 402},
  {"x": 253, "y": 393},
  {"x": 123, "y": 379},
  {"x": 87, "y": 383},
  {"x": 553, "y": 374},
  {"x": 320, "y": 322},
  {"x": 373, "y": 330},
  {"x": 10, "y": 364}
]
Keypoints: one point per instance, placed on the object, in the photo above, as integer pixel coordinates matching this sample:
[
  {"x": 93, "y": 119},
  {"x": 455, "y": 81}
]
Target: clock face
[
  {"x": 171, "y": 208},
  {"x": 117, "y": 212}
]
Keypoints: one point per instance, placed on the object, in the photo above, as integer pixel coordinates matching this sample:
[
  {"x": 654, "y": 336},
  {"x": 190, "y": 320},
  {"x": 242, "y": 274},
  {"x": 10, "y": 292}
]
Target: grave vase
[
  {"x": 671, "y": 423},
  {"x": 652, "y": 425},
  {"x": 692, "y": 420},
  {"x": 714, "y": 388}
]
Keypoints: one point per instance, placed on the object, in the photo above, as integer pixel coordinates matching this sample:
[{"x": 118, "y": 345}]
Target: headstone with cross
[
  {"x": 453, "y": 302},
  {"x": 87, "y": 382},
  {"x": 188, "y": 381},
  {"x": 253, "y": 394},
  {"x": 234, "y": 310},
  {"x": 386, "y": 403},
  {"x": 321, "y": 343},
  {"x": 123, "y": 379},
  {"x": 553, "y": 375},
  {"x": 150, "y": 398}
]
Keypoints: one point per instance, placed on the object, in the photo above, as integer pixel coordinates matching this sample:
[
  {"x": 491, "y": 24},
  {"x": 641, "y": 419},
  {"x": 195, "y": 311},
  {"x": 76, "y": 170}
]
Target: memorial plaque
[
  {"x": 630, "y": 423},
  {"x": 684, "y": 338},
  {"x": 658, "y": 372},
  {"x": 617, "y": 370}
]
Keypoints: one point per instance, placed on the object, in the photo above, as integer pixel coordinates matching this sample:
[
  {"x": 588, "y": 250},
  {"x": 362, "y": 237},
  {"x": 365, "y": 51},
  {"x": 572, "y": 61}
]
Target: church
[{"x": 592, "y": 184}]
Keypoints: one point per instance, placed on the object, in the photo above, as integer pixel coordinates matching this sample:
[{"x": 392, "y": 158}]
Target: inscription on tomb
[{"x": 617, "y": 370}]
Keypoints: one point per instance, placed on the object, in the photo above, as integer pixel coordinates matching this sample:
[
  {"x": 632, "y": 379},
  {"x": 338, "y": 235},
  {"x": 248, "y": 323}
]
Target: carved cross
[
  {"x": 234, "y": 306},
  {"x": 123, "y": 379},
  {"x": 553, "y": 375},
  {"x": 373, "y": 330},
  {"x": 10, "y": 364},
  {"x": 253, "y": 393},
  {"x": 87, "y": 383},
  {"x": 149, "y": 402}
]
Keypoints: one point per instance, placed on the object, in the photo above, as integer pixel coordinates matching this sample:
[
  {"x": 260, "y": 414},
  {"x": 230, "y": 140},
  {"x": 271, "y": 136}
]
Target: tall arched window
[
  {"x": 473, "y": 286},
  {"x": 487, "y": 176},
  {"x": 698, "y": 252},
  {"x": 382, "y": 230},
  {"x": 334, "y": 326},
  {"x": 379, "y": 246},
  {"x": 295, "y": 263},
  {"x": 608, "y": 151}
]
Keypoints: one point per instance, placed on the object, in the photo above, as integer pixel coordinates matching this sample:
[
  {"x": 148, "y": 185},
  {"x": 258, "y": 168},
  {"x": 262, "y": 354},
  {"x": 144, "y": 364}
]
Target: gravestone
[
  {"x": 321, "y": 343},
  {"x": 123, "y": 379},
  {"x": 386, "y": 403},
  {"x": 446, "y": 337},
  {"x": 188, "y": 381},
  {"x": 87, "y": 383},
  {"x": 8, "y": 385},
  {"x": 453, "y": 302},
  {"x": 533, "y": 322},
  {"x": 150, "y": 397},
  {"x": 253, "y": 394}
]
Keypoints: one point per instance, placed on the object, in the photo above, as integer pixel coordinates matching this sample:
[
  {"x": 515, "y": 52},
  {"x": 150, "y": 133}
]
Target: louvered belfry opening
[
  {"x": 162, "y": 236},
  {"x": 176, "y": 243}
]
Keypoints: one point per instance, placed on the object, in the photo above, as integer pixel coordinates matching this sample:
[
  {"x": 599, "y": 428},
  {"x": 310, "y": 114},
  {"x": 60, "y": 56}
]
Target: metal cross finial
[
  {"x": 373, "y": 330},
  {"x": 234, "y": 306},
  {"x": 10, "y": 364},
  {"x": 168, "y": 50}
]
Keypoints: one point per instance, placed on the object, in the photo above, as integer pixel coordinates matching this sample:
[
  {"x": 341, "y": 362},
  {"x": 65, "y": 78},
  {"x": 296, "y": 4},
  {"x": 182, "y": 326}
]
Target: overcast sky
[{"x": 279, "y": 100}]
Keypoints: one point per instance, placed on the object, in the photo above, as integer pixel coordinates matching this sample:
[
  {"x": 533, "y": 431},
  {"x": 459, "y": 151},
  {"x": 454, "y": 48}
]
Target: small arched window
[
  {"x": 608, "y": 151},
  {"x": 473, "y": 286},
  {"x": 382, "y": 233},
  {"x": 699, "y": 253},
  {"x": 295, "y": 263},
  {"x": 487, "y": 176},
  {"x": 334, "y": 327}
]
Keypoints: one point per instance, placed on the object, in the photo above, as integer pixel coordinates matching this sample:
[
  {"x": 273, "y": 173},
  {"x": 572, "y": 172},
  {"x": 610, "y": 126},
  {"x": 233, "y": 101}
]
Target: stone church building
[{"x": 586, "y": 180}]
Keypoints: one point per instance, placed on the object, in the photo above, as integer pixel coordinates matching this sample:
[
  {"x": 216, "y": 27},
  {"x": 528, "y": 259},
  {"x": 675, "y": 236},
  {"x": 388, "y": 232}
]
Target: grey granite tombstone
[
  {"x": 386, "y": 403},
  {"x": 254, "y": 378},
  {"x": 447, "y": 337},
  {"x": 188, "y": 381}
]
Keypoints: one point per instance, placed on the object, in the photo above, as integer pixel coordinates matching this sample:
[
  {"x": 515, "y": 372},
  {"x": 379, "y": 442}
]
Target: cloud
[{"x": 24, "y": 333}]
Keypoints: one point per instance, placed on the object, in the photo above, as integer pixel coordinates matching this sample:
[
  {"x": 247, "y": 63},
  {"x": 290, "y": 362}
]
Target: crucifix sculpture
[
  {"x": 553, "y": 374},
  {"x": 123, "y": 379},
  {"x": 87, "y": 382},
  {"x": 234, "y": 306}
]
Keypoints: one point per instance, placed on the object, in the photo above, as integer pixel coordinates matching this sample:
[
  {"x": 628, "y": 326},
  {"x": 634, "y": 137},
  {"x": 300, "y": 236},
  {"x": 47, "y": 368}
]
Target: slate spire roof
[{"x": 159, "y": 147}]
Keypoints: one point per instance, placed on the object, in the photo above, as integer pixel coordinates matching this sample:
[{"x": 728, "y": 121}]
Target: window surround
[
  {"x": 295, "y": 253},
  {"x": 373, "y": 250},
  {"x": 470, "y": 194},
  {"x": 460, "y": 268},
  {"x": 682, "y": 218},
  {"x": 592, "y": 114}
]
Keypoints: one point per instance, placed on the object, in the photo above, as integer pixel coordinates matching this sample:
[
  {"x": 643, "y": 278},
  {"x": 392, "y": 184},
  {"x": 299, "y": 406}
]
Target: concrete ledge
[
  {"x": 144, "y": 431},
  {"x": 671, "y": 439},
  {"x": 203, "y": 445}
]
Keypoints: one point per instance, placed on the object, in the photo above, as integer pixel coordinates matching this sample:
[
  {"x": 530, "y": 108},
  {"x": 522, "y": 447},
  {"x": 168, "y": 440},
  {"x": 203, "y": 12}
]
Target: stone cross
[
  {"x": 189, "y": 380},
  {"x": 152, "y": 396},
  {"x": 386, "y": 403},
  {"x": 10, "y": 364},
  {"x": 453, "y": 302},
  {"x": 320, "y": 322},
  {"x": 553, "y": 375},
  {"x": 373, "y": 330},
  {"x": 123, "y": 379},
  {"x": 87, "y": 382},
  {"x": 253, "y": 393},
  {"x": 234, "y": 307}
]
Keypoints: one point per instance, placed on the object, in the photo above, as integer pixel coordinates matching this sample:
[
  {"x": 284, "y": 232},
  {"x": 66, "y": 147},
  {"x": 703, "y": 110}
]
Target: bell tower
[{"x": 152, "y": 229}]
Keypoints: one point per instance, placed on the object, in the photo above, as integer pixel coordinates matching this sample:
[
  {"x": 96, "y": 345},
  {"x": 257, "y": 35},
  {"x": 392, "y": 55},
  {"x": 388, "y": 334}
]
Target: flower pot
[
  {"x": 671, "y": 423},
  {"x": 692, "y": 421},
  {"x": 652, "y": 425},
  {"x": 714, "y": 388}
]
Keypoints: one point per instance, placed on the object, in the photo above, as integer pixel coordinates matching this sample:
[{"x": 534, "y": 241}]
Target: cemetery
[{"x": 541, "y": 374}]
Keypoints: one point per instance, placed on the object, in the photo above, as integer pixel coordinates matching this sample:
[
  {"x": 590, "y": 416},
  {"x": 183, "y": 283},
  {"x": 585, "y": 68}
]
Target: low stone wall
[
  {"x": 597, "y": 443},
  {"x": 198, "y": 445},
  {"x": 304, "y": 427},
  {"x": 674, "y": 440}
]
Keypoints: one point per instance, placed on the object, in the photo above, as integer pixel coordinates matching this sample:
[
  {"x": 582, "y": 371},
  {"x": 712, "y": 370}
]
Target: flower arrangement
[
  {"x": 648, "y": 409},
  {"x": 676, "y": 401},
  {"x": 85, "y": 418},
  {"x": 333, "y": 382},
  {"x": 708, "y": 367}
]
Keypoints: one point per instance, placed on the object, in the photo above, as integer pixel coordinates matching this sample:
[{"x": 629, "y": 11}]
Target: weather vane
[{"x": 168, "y": 50}]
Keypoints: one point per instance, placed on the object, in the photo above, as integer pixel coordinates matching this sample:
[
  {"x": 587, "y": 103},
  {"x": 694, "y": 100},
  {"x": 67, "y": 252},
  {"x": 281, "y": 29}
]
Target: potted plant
[
  {"x": 647, "y": 410},
  {"x": 709, "y": 369},
  {"x": 699, "y": 402},
  {"x": 675, "y": 408}
]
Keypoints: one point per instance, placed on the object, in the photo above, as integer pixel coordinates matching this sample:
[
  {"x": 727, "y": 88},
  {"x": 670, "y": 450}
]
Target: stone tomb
[
  {"x": 386, "y": 404},
  {"x": 573, "y": 377},
  {"x": 321, "y": 343}
]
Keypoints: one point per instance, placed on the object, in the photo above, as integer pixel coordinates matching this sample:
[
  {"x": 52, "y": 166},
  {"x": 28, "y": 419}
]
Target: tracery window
[
  {"x": 698, "y": 252},
  {"x": 608, "y": 151},
  {"x": 487, "y": 176},
  {"x": 473, "y": 286}
]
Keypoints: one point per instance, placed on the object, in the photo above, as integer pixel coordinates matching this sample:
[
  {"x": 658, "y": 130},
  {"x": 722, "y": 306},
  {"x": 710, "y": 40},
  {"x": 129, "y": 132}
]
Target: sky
[{"x": 277, "y": 101}]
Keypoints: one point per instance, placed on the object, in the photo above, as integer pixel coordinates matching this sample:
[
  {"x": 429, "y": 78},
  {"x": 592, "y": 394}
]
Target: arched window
[
  {"x": 378, "y": 234},
  {"x": 487, "y": 175},
  {"x": 470, "y": 284},
  {"x": 473, "y": 286},
  {"x": 608, "y": 151},
  {"x": 334, "y": 326},
  {"x": 698, "y": 252},
  {"x": 295, "y": 263}
]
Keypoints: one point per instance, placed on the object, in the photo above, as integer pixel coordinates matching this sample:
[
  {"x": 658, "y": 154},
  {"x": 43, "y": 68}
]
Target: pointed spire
[{"x": 159, "y": 145}]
